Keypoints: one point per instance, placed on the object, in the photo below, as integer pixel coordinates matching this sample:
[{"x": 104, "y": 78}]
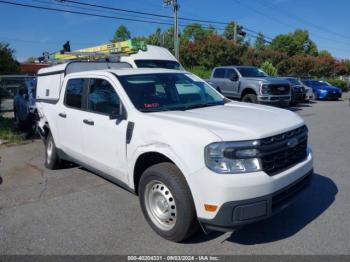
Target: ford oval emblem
[{"x": 292, "y": 143}]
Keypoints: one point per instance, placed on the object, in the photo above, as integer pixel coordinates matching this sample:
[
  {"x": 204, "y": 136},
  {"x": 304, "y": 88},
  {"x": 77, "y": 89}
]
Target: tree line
[{"x": 202, "y": 48}]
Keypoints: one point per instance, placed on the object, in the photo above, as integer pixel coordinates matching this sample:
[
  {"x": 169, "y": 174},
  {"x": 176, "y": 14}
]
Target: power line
[
  {"x": 298, "y": 18},
  {"x": 157, "y": 15},
  {"x": 280, "y": 21},
  {"x": 83, "y": 13},
  {"x": 146, "y": 13},
  {"x": 96, "y": 15},
  {"x": 86, "y": 8}
]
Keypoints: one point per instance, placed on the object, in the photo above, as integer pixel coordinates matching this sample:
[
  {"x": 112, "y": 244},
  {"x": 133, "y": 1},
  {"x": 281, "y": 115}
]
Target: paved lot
[{"x": 72, "y": 211}]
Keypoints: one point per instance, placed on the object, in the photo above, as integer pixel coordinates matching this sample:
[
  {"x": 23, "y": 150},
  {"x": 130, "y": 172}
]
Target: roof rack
[{"x": 107, "y": 52}]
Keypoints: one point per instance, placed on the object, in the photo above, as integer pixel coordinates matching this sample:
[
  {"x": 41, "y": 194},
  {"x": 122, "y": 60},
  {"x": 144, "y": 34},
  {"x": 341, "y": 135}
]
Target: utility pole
[
  {"x": 235, "y": 33},
  {"x": 176, "y": 25}
]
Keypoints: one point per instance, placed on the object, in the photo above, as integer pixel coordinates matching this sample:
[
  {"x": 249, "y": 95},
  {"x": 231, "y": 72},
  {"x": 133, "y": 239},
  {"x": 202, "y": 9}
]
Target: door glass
[
  {"x": 74, "y": 91},
  {"x": 219, "y": 73},
  {"x": 102, "y": 97},
  {"x": 230, "y": 73}
]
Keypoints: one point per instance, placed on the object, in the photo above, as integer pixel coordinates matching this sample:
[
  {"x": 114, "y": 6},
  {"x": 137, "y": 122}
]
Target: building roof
[{"x": 32, "y": 68}]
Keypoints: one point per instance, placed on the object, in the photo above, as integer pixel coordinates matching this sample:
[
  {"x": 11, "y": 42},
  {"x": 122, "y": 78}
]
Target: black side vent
[{"x": 129, "y": 131}]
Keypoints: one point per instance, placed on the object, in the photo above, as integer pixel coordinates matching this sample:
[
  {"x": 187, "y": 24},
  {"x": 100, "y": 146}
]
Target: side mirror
[
  {"x": 234, "y": 78},
  {"x": 117, "y": 115}
]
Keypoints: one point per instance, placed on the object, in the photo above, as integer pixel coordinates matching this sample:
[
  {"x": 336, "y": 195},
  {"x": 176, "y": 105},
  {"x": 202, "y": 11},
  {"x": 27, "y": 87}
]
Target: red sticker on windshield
[{"x": 151, "y": 105}]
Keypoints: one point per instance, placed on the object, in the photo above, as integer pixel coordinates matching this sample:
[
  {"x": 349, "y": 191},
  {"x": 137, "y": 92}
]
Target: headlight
[
  {"x": 264, "y": 88},
  {"x": 232, "y": 157},
  {"x": 323, "y": 91}
]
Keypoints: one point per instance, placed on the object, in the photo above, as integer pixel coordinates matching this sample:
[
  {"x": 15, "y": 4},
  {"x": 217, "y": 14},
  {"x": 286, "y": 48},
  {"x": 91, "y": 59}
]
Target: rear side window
[
  {"x": 219, "y": 73},
  {"x": 102, "y": 97},
  {"x": 74, "y": 93}
]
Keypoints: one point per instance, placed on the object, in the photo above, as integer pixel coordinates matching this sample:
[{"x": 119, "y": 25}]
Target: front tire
[
  {"x": 167, "y": 203},
  {"x": 250, "y": 98},
  {"x": 52, "y": 160}
]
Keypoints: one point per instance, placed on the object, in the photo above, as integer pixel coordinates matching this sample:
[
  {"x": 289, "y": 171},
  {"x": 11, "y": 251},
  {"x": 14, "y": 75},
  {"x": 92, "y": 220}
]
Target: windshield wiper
[
  {"x": 203, "y": 105},
  {"x": 151, "y": 110}
]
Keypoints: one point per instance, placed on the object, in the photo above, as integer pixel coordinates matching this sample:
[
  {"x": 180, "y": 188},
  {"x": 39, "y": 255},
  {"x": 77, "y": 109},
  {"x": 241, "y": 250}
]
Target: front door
[
  {"x": 231, "y": 82},
  {"x": 104, "y": 139}
]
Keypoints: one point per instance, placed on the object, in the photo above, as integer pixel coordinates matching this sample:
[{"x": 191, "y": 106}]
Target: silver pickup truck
[{"x": 250, "y": 84}]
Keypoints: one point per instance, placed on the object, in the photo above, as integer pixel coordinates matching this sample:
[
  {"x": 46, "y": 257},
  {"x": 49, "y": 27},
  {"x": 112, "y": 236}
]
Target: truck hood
[
  {"x": 236, "y": 120},
  {"x": 267, "y": 80}
]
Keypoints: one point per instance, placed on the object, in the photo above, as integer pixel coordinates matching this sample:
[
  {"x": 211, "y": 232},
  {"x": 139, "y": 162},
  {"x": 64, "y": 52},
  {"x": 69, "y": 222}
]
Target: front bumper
[
  {"x": 231, "y": 190},
  {"x": 298, "y": 97},
  {"x": 238, "y": 213},
  {"x": 276, "y": 100},
  {"x": 329, "y": 95}
]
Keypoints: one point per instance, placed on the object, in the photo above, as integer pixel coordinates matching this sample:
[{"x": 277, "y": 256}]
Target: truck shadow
[
  {"x": 299, "y": 106},
  {"x": 310, "y": 204}
]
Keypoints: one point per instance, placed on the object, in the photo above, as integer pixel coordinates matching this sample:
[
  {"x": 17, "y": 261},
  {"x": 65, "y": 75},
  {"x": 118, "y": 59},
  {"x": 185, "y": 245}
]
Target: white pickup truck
[{"x": 193, "y": 157}]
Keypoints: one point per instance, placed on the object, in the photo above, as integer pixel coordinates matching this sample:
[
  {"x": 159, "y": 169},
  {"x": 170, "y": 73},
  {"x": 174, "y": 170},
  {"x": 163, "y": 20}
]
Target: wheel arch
[
  {"x": 146, "y": 159},
  {"x": 248, "y": 90}
]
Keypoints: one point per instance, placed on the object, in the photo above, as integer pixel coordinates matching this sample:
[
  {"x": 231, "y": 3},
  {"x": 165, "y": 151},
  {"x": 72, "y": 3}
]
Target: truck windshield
[
  {"x": 169, "y": 91},
  {"x": 158, "y": 64},
  {"x": 251, "y": 72}
]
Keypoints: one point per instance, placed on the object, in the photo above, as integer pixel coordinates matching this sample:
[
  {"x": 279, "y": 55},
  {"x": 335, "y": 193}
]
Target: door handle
[
  {"x": 88, "y": 122},
  {"x": 62, "y": 115}
]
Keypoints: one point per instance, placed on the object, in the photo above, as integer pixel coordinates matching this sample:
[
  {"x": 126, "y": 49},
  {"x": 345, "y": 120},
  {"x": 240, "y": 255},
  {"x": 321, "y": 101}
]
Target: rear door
[
  {"x": 69, "y": 118},
  {"x": 104, "y": 139},
  {"x": 218, "y": 79}
]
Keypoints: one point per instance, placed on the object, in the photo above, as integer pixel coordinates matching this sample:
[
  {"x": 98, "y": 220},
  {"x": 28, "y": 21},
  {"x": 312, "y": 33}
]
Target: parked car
[
  {"x": 250, "y": 84},
  {"x": 323, "y": 90},
  {"x": 298, "y": 92},
  {"x": 192, "y": 156}
]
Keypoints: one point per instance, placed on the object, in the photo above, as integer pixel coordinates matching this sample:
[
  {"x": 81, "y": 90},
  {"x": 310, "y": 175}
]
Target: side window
[
  {"x": 102, "y": 97},
  {"x": 219, "y": 73},
  {"x": 230, "y": 73},
  {"x": 74, "y": 93}
]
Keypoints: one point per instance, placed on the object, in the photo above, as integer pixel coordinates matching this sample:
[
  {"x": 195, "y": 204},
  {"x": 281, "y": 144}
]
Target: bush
[
  {"x": 8, "y": 132},
  {"x": 343, "y": 85},
  {"x": 268, "y": 68},
  {"x": 200, "y": 71}
]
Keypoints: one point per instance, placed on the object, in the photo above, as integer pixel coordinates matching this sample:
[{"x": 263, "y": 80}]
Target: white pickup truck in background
[{"x": 192, "y": 156}]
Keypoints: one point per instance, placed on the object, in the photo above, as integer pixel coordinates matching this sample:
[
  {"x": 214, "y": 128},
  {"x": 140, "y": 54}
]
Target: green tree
[
  {"x": 122, "y": 33},
  {"x": 8, "y": 63},
  {"x": 156, "y": 38},
  {"x": 260, "y": 42},
  {"x": 268, "y": 68},
  {"x": 31, "y": 60},
  {"x": 212, "y": 51},
  {"x": 229, "y": 32},
  {"x": 324, "y": 53},
  {"x": 296, "y": 43},
  {"x": 193, "y": 32}
]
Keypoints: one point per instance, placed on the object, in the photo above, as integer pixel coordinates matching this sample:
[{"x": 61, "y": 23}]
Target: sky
[{"x": 31, "y": 32}]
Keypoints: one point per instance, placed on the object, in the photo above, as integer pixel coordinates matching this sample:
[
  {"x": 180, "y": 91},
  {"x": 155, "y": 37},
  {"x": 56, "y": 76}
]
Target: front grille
[
  {"x": 275, "y": 89},
  {"x": 280, "y": 152}
]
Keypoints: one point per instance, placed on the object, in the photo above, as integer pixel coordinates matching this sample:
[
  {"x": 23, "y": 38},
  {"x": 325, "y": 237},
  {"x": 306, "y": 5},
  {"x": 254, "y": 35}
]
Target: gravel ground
[{"x": 73, "y": 211}]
